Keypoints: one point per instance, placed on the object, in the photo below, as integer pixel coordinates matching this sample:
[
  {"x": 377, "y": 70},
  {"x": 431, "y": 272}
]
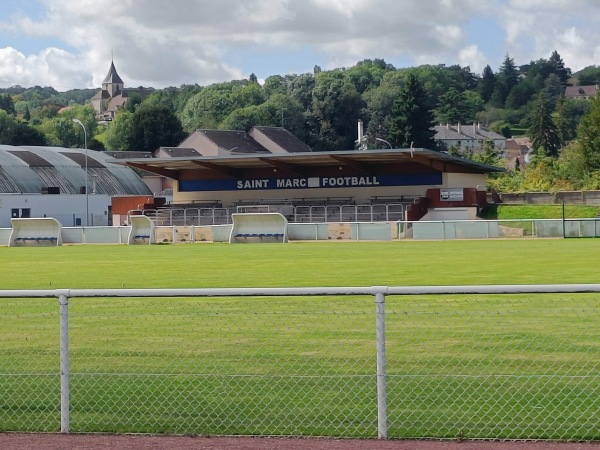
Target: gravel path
[{"x": 19, "y": 441}]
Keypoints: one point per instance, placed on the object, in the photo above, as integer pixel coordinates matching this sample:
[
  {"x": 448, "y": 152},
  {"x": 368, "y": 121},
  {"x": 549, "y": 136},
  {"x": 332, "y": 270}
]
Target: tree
[
  {"x": 552, "y": 90},
  {"x": 278, "y": 111},
  {"x": 283, "y": 111},
  {"x": 570, "y": 111},
  {"x": 588, "y": 135},
  {"x": 211, "y": 105},
  {"x": 520, "y": 95},
  {"x": 208, "y": 107},
  {"x": 487, "y": 84},
  {"x": 250, "y": 94},
  {"x": 13, "y": 132},
  {"x": 69, "y": 134},
  {"x": 412, "y": 121},
  {"x": 133, "y": 101},
  {"x": 274, "y": 84},
  {"x": 300, "y": 87},
  {"x": 489, "y": 154},
  {"x": 458, "y": 107},
  {"x": 558, "y": 67},
  {"x": 508, "y": 78},
  {"x": 119, "y": 135},
  {"x": 336, "y": 107},
  {"x": 155, "y": 126},
  {"x": 543, "y": 132},
  {"x": 243, "y": 119},
  {"x": 378, "y": 110},
  {"x": 509, "y": 75},
  {"x": 361, "y": 77},
  {"x": 6, "y": 104},
  {"x": 588, "y": 76},
  {"x": 173, "y": 97}
]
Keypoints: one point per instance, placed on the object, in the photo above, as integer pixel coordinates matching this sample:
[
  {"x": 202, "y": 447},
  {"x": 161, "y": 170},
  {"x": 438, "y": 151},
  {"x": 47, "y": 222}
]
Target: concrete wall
[
  {"x": 67, "y": 209},
  {"x": 363, "y": 231},
  {"x": 547, "y": 198},
  {"x": 458, "y": 180},
  {"x": 451, "y": 214}
]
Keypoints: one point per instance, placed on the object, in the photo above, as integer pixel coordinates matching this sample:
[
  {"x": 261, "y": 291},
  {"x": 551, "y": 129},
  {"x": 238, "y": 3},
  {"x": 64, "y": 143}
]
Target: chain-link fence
[
  {"x": 495, "y": 366},
  {"x": 29, "y": 365},
  {"x": 320, "y": 362}
]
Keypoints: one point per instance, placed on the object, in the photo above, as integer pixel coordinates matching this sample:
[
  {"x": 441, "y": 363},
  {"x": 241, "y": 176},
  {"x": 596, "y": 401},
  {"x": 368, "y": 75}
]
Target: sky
[{"x": 69, "y": 44}]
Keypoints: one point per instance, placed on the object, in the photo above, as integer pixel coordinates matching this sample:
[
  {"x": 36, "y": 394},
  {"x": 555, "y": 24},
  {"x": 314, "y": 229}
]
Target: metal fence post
[
  {"x": 63, "y": 301},
  {"x": 381, "y": 363}
]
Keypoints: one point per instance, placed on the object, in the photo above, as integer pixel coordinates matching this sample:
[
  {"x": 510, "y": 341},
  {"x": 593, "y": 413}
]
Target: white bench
[
  {"x": 258, "y": 228},
  {"x": 142, "y": 230},
  {"x": 35, "y": 232}
]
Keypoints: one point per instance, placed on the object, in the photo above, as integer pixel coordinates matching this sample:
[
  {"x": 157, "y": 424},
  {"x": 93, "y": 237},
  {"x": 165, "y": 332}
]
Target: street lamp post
[
  {"x": 87, "y": 204},
  {"x": 384, "y": 141}
]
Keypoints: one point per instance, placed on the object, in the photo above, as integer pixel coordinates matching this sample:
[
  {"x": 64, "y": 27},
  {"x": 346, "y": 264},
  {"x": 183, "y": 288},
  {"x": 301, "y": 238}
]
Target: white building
[
  {"x": 72, "y": 185},
  {"x": 468, "y": 138}
]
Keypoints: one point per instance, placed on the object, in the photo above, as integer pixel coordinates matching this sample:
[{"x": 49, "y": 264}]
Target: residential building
[
  {"x": 581, "y": 92},
  {"x": 467, "y": 138},
  {"x": 517, "y": 153}
]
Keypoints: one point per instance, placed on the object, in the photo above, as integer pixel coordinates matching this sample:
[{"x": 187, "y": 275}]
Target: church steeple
[{"x": 112, "y": 82}]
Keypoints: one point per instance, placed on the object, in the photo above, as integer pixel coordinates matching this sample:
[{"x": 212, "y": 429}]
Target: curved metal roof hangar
[{"x": 30, "y": 170}]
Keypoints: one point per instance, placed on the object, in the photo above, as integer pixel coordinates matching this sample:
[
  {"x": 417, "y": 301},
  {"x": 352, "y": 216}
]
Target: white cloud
[
  {"x": 204, "y": 41},
  {"x": 578, "y": 50},
  {"x": 473, "y": 57},
  {"x": 51, "y": 67},
  {"x": 535, "y": 28}
]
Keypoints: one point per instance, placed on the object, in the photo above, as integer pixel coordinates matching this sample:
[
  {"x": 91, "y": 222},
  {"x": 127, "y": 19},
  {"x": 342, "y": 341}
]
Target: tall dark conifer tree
[
  {"x": 487, "y": 83},
  {"x": 412, "y": 121},
  {"x": 543, "y": 131},
  {"x": 507, "y": 79},
  {"x": 558, "y": 67}
]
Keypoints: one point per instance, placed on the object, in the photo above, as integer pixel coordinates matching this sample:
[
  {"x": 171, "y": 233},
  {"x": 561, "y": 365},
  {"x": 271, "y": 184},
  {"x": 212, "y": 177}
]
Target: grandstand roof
[
  {"x": 29, "y": 170},
  {"x": 369, "y": 161}
]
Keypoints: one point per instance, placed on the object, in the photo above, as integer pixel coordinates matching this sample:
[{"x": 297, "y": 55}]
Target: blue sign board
[{"x": 257, "y": 184}]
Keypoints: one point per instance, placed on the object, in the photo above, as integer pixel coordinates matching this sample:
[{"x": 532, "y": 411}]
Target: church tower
[{"x": 112, "y": 82}]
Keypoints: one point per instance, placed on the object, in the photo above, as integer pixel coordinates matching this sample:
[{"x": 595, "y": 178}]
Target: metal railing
[
  {"x": 469, "y": 362},
  {"x": 191, "y": 216}
]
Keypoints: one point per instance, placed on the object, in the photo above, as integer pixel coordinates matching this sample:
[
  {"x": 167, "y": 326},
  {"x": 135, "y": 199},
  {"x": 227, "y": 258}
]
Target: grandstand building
[{"x": 235, "y": 171}]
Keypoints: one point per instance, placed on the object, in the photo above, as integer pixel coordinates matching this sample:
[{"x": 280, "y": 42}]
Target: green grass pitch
[
  {"x": 458, "y": 366},
  {"x": 302, "y": 264}
]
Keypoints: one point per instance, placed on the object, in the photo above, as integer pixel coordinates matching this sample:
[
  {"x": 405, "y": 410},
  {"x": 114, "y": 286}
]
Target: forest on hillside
[{"x": 398, "y": 105}]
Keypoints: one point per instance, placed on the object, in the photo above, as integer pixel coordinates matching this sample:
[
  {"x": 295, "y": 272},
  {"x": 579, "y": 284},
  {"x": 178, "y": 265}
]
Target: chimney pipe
[{"x": 361, "y": 144}]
